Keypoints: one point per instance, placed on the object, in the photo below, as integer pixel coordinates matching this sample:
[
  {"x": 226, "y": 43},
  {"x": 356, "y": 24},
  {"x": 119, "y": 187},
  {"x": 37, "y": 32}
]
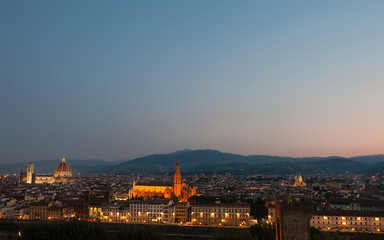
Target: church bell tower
[
  {"x": 30, "y": 173},
  {"x": 177, "y": 181}
]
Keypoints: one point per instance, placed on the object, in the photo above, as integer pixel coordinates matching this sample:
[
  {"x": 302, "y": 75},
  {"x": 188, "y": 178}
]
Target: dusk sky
[{"x": 117, "y": 80}]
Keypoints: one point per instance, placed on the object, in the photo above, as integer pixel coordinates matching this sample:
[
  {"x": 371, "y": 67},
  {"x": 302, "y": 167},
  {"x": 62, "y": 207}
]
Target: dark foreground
[{"x": 81, "y": 230}]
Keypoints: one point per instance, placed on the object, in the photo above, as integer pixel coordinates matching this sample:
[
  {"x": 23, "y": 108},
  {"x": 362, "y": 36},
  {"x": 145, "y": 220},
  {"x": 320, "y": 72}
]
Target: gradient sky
[{"x": 121, "y": 79}]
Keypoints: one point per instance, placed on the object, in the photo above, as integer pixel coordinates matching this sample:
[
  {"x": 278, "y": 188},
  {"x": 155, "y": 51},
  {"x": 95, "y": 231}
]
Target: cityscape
[
  {"x": 348, "y": 203},
  {"x": 211, "y": 120}
]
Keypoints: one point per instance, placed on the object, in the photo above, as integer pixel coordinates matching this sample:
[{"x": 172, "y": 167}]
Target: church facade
[
  {"x": 62, "y": 174},
  {"x": 177, "y": 189}
]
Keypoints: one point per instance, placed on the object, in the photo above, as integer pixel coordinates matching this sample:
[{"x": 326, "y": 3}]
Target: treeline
[{"x": 81, "y": 230}]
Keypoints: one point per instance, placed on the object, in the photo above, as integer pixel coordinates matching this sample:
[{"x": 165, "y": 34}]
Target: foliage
[
  {"x": 240, "y": 235},
  {"x": 264, "y": 231},
  {"x": 9, "y": 226},
  {"x": 61, "y": 230},
  {"x": 137, "y": 232},
  {"x": 316, "y": 234},
  {"x": 258, "y": 208}
]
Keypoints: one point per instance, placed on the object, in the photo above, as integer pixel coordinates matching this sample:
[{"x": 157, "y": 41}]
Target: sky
[{"x": 116, "y": 80}]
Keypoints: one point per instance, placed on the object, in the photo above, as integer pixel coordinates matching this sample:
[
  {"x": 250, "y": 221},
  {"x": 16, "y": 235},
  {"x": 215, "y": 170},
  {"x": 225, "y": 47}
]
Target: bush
[
  {"x": 137, "y": 232},
  {"x": 72, "y": 230}
]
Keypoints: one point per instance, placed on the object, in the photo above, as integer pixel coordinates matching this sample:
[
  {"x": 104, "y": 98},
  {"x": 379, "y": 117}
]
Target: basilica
[
  {"x": 62, "y": 174},
  {"x": 177, "y": 189}
]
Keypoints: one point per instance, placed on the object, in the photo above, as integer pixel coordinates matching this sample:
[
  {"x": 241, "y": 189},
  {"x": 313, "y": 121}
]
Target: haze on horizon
[{"x": 123, "y": 79}]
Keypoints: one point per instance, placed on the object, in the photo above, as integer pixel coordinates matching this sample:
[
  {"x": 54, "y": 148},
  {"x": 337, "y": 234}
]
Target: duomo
[{"x": 62, "y": 174}]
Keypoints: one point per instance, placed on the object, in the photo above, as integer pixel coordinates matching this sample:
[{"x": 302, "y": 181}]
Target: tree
[
  {"x": 61, "y": 230},
  {"x": 264, "y": 231},
  {"x": 316, "y": 234},
  {"x": 137, "y": 232}
]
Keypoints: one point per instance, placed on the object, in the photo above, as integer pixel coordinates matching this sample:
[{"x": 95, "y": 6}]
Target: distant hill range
[{"x": 213, "y": 161}]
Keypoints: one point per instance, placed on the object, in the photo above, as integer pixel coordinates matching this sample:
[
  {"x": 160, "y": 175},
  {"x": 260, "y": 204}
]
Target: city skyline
[{"x": 122, "y": 80}]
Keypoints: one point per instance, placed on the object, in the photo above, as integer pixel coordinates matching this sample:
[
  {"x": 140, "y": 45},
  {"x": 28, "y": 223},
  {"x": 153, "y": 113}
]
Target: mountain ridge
[{"x": 201, "y": 160}]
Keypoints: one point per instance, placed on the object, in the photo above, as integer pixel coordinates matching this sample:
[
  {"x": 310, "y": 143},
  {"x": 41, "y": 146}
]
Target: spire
[
  {"x": 177, "y": 181},
  {"x": 63, "y": 159}
]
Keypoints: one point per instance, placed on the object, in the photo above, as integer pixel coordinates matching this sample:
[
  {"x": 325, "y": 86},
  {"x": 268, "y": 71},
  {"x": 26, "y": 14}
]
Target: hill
[{"x": 212, "y": 160}]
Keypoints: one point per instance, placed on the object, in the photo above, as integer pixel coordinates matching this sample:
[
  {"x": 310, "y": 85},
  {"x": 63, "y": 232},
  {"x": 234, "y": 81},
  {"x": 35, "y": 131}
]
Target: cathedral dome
[{"x": 63, "y": 169}]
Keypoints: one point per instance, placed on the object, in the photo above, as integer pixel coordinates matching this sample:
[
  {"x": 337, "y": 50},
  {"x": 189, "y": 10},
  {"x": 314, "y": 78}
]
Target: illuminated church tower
[
  {"x": 30, "y": 173},
  {"x": 177, "y": 181}
]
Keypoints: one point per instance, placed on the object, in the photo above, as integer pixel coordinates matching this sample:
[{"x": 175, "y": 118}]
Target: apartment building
[
  {"x": 220, "y": 214},
  {"x": 349, "y": 221}
]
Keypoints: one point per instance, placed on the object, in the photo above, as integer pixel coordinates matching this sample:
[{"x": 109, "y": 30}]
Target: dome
[
  {"x": 298, "y": 178},
  {"x": 63, "y": 169}
]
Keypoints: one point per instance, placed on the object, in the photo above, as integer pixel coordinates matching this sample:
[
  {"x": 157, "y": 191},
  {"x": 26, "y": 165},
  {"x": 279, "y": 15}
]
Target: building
[
  {"x": 271, "y": 211},
  {"x": 62, "y": 174},
  {"x": 39, "y": 210},
  {"x": 220, "y": 214},
  {"x": 292, "y": 219},
  {"x": 96, "y": 201},
  {"x": 58, "y": 212},
  {"x": 299, "y": 181},
  {"x": 50, "y": 210},
  {"x": 80, "y": 207},
  {"x": 182, "y": 212},
  {"x": 115, "y": 214},
  {"x": 357, "y": 205},
  {"x": 139, "y": 211},
  {"x": 349, "y": 221},
  {"x": 177, "y": 189},
  {"x": 150, "y": 211}
]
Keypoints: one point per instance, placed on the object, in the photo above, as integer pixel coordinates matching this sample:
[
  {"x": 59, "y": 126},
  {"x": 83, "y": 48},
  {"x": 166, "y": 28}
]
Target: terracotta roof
[
  {"x": 63, "y": 167},
  {"x": 361, "y": 202},
  {"x": 160, "y": 184},
  {"x": 348, "y": 213},
  {"x": 221, "y": 204}
]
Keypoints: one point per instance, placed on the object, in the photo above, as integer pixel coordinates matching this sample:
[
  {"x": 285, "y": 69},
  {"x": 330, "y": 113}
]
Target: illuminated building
[
  {"x": 299, "y": 181},
  {"x": 46, "y": 210},
  {"x": 115, "y": 214},
  {"x": 136, "y": 211},
  {"x": 58, "y": 212},
  {"x": 168, "y": 190},
  {"x": 271, "y": 211},
  {"x": 348, "y": 221},
  {"x": 39, "y": 210},
  {"x": 150, "y": 211},
  {"x": 220, "y": 214},
  {"x": 62, "y": 174}
]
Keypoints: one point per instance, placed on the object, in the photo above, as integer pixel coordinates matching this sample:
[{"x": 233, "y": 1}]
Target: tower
[
  {"x": 30, "y": 173},
  {"x": 177, "y": 181},
  {"x": 292, "y": 219}
]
